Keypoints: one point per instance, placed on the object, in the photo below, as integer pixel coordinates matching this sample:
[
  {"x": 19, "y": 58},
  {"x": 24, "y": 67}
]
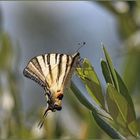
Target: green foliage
[
  {"x": 5, "y": 51},
  {"x": 122, "y": 96},
  {"x": 111, "y": 70},
  {"x": 92, "y": 83},
  {"x": 9, "y": 97},
  {"x": 118, "y": 117}
]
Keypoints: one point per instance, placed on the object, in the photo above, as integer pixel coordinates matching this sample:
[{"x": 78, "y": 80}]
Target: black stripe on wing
[
  {"x": 56, "y": 58},
  {"x": 43, "y": 57},
  {"x": 49, "y": 66},
  {"x": 59, "y": 66},
  {"x": 29, "y": 74},
  {"x": 37, "y": 64},
  {"x": 67, "y": 65}
]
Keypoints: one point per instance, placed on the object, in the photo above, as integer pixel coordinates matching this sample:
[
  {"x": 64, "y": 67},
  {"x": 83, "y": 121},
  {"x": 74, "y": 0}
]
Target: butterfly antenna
[{"x": 81, "y": 45}]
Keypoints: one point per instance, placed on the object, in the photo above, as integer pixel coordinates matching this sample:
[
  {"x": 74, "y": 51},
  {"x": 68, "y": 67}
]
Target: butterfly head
[
  {"x": 55, "y": 101},
  {"x": 57, "y": 105}
]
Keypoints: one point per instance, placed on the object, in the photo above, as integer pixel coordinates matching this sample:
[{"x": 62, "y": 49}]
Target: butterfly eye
[{"x": 60, "y": 96}]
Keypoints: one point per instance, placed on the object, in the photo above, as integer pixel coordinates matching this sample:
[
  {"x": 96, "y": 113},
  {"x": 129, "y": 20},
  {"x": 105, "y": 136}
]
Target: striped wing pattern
[{"x": 52, "y": 71}]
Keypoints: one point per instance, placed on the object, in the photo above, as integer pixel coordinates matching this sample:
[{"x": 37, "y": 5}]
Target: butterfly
[{"x": 53, "y": 72}]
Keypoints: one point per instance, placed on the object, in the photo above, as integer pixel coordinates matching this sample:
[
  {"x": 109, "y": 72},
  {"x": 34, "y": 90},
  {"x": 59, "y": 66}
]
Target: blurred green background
[{"x": 28, "y": 29}]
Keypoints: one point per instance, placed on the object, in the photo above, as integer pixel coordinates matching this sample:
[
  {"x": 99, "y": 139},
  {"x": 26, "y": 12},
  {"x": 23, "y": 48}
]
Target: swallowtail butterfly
[{"x": 53, "y": 73}]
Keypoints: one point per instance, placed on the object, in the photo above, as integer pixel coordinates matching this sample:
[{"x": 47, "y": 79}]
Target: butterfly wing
[
  {"x": 71, "y": 66},
  {"x": 33, "y": 71},
  {"x": 52, "y": 71},
  {"x": 39, "y": 70},
  {"x": 66, "y": 69},
  {"x": 61, "y": 68}
]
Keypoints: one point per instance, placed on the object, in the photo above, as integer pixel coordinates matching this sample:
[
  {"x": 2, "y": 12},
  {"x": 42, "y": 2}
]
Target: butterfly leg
[{"x": 80, "y": 62}]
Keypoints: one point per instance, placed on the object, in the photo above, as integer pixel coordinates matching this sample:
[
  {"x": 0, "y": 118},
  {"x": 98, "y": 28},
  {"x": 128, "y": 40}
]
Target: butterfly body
[{"x": 53, "y": 73}]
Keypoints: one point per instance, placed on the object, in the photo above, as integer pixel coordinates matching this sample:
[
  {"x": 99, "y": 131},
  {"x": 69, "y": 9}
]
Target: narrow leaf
[
  {"x": 106, "y": 72},
  {"x": 111, "y": 69},
  {"x": 117, "y": 104},
  {"x": 131, "y": 116},
  {"x": 114, "y": 134},
  {"x": 81, "y": 97},
  {"x": 93, "y": 106},
  {"x": 91, "y": 81},
  {"x": 125, "y": 93},
  {"x": 95, "y": 111},
  {"x": 133, "y": 128}
]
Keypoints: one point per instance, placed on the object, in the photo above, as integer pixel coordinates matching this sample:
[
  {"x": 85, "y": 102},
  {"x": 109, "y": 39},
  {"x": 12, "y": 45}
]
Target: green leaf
[
  {"x": 87, "y": 102},
  {"x": 106, "y": 72},
  {"x": 125, "y": 93},
  {"x": 111, "y": 69},
  {"x": 122, "y": 86},
  {"x": 81, "y": 97},
  {"x": 121, "y": 110},
  {"x": 114, "y": 134},
  {"x": 91, "y": 81},
  {"x": 132, "y": 126},
  {"x": 117, "y": 104},
  {"x": 131, "y": 116},
  {"x": 97, "y": 113}
]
